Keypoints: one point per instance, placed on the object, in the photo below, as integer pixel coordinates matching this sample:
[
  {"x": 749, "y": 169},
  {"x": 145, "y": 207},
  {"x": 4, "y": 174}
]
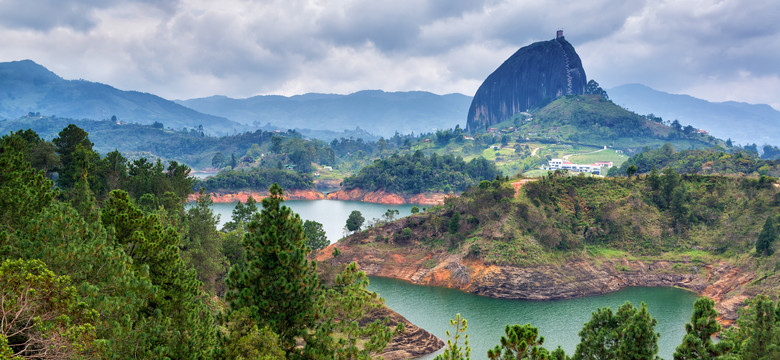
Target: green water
[
  {"x": 558, "y": 321},
  {"x": 332, "y": 214}
]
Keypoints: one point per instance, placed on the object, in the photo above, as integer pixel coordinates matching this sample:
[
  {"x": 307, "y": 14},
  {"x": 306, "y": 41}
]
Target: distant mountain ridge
[
  {"x": 378, "y": 112},
  {"x": 743, "y": 123},
  {"x": 26, "y": 86},
  {"x": 531, "y": 78}
]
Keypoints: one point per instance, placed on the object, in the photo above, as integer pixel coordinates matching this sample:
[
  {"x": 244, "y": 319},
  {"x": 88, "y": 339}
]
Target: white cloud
[{"x": 190, "y": 48}]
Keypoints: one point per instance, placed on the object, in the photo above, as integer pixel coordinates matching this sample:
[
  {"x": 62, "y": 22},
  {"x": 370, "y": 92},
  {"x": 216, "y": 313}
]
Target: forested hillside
[
  {"x": 417, "y": 173},
  {"x": 713, "y": 161},
  {"x": 108, "y": 263},
  {"x": 557, "y": 233}
]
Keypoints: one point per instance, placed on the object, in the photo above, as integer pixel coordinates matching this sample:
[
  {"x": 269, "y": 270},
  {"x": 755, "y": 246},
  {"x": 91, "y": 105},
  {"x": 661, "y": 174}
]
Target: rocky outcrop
[
  {"x": 384, "y": 197},
  {"x": 412, "y": 343},
  {"x": 229, "y": 197},
  {"x": 723, "y": 282},
  {"x": 529, "y": 79}
]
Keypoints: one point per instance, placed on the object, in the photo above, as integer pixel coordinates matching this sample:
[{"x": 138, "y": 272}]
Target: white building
[{"x": 560, "y": 164}]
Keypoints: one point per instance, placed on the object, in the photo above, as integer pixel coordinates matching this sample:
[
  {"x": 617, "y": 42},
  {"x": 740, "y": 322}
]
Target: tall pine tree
[
  {"x": 697, "y": 343},
  {"x": 277, "y": 283}
]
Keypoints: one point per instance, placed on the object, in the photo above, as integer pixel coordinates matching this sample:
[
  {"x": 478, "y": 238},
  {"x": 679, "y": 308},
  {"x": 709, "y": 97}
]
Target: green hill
[{"x": 593, "y": 120}]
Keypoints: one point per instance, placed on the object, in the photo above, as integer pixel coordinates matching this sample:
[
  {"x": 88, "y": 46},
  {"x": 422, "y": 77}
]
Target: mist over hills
[
  {"x": 26, "y": 86},
  {"x": 742, "y": 122},
  {"x": 378, "y": 112}
]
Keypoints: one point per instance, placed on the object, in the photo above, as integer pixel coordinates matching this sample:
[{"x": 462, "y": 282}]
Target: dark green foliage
[
  {"x": 257, "y": 178},
  {"x": 627, "y": 334},
  {"x": 183, "y": 325},
  {"x": 415, "y": 209},
  {"x": 201, "y": 248},
  {"x": 417, "y": 173},
  {"x": 707, "y": 161},
  {"x": 247, "y": 340},
  {"x": 593, "y": 88},
  {"x": 145, "y": 177},
  {"x": 631, "y": 170},
  {"x": 766, "y": 237},
  {"x": 277, "y": 283},
  {"x": 757, "y": 334},
  {"x": 520, "y": 343},
  {"x": 25, "y": 190},
  {"x": 72, "y": 144},
  {"x": 454, "y": 224},
  {"x": 697, "y": 343},
  {"x": 317, "y": 239},
  {"x": 355, "y": 221}
]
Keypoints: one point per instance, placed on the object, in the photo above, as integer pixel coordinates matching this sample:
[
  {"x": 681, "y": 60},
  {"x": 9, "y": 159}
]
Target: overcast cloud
[{"x": 716, "y": 50}]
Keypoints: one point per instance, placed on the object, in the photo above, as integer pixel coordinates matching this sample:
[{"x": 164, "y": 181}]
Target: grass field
[{"x": 602, "y": 155}]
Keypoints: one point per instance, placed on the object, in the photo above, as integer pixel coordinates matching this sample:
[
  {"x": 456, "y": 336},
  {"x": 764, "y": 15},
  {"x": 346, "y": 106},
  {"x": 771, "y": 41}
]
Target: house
[{"x": 561, "y": 164}]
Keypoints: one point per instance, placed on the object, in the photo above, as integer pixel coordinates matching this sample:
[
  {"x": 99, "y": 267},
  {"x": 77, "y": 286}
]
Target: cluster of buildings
[{"x": 595, "y": 168}]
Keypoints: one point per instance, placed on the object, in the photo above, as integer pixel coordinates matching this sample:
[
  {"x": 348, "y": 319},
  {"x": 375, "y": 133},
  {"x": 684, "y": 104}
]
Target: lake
[
  {"x": 558, "y": 321},
  {"x": 332, "y": 214},
  {"x": 431, "y": 307}
]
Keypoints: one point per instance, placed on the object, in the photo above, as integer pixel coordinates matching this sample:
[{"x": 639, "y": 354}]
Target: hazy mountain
[
  {"x": 376, "y": 111},
  {"x": 28, "y": 87},
  {"x": 531, "y": 78},
  {"x": 743, "y": 123}
]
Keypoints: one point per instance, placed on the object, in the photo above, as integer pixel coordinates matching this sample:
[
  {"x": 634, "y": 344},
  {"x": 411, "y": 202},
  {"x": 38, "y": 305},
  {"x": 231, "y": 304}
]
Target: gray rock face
[{"x": 532, "y": 77}]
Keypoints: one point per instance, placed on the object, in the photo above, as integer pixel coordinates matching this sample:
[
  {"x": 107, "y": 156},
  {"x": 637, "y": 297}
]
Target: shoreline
[
  {"x": 377, "y": 197},
  {"x": 721, "y": 280}
]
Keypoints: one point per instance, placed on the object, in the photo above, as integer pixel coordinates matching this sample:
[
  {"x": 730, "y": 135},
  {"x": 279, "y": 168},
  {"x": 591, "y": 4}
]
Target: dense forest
[
  {"x": 257, "y": 178},
  {"x": 417, "y": 173},
  {"x": 108, "y": 263},
  {"x": 702, "y": 161},
  {"x": 658, "y": 216}
]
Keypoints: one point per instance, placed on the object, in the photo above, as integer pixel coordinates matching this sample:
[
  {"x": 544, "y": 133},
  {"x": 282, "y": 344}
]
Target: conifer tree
[
  {"x": 520, "y": 343},
  {"x": 766, "y": 237},
  {"x": 181, "y": 326},
  {"x": 758, "y": 334},
  {"x": 67, "y": 144},
  {"x": 638, "y": 339},
  {"x": 697, "y": 343},
  {"x": 348, "y": 303},
  {"x": 453, "y": 350},
  {"x": 202, "y": 247},
  {"x": 277, "y": 283},
  {"x": 625, "y": 335}
]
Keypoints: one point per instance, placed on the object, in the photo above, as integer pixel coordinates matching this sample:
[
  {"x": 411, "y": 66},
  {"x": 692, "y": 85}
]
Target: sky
[{"x": 180, "y": 49}]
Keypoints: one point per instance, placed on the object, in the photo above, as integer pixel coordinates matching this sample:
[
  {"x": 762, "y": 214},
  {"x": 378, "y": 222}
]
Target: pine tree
[
  {"x": 277, "y": 283},
  {"x": 348, "y": 303},
  {"x": 202, "y": 247},
  {"x": 697, "y": 343},
  {"x": 181, "y": 326},
  {"x": 761, "y": 339},
  {"x": 520, "y": 343},
  {"x": 766, "y": 237},
  {"x": 454, "y": 351},
  {"x": 638, "y": 339},
  {"x": 68, "y": 143},
  {"x": 627, "y": 334}
]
